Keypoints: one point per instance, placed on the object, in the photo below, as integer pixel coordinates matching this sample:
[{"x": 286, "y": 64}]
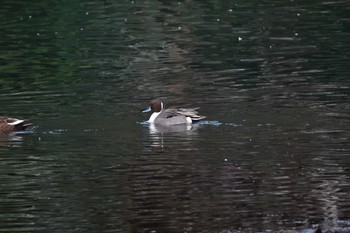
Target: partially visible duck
[
  {"x": 8, "y": 125},
  {"x": 171, "y": 116}
]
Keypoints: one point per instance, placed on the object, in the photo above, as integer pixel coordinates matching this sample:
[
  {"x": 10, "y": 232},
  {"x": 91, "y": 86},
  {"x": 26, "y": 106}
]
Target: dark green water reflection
[{"x": 272, "y": 77}]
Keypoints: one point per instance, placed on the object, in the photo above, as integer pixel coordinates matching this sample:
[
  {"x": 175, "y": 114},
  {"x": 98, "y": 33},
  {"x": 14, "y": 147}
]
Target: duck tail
[
  {"x": 24, "y": 125},
  {"x": 19, "y": 125},
  {"x": 198, "y": 118}
]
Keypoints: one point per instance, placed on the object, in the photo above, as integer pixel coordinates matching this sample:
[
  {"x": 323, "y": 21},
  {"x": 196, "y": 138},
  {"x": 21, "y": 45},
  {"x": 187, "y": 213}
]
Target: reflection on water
[
  {"x": 11, "y": 140},
  {"x": 272, "y": 78},
  {"x": 17, "y": 138},
  {"x": 159, "y": 135}
]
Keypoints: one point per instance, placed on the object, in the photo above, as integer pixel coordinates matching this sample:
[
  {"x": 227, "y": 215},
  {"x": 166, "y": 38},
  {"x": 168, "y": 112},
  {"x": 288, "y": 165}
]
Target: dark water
[{"x": 271, "y": 76}]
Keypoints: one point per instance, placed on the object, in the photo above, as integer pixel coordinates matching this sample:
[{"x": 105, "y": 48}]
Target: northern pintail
[
  {"x": 8, "y": 125},
  {"x": 171, "y": 116}
]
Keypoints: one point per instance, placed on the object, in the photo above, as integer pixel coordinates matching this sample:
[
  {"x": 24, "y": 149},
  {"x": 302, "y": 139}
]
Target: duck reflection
[
  {"x": 159, "y": 136},
  {"x": 11, "y": 140}
]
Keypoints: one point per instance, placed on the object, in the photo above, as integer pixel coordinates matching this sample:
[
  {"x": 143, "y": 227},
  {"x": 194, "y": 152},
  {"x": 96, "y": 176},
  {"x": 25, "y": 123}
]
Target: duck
[
  {"x": 8, "y": 125},
  {"x": 171, "y": 116}
]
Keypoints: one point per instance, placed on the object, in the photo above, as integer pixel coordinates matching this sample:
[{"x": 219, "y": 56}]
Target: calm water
[{"x": 272, "y": 77}]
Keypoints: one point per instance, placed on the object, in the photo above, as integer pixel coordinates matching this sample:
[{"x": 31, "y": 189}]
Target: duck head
[{"x": 156, "y": 105}]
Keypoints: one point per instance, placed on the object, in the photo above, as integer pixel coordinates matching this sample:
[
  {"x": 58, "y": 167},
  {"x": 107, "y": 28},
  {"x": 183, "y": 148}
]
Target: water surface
[{"x": 272, "y": 78}]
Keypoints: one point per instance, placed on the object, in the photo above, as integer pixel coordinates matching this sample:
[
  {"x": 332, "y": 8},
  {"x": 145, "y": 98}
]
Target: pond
[{"x": 272, "y": 78}]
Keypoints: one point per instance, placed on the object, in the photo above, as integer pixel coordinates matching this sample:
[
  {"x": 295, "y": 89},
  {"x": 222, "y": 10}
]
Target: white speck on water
[
  {"x": 229, "y": 10},
  {"x": 29, "y": 16},
  {"x": 87, "y": 13},
  {"x": 296, "y": 34},
  {"x": 240, "y": 38},
  {"x": 298, "y": 14},
  {"x": 225, "y": 160},
  {"x": 132, "y": 2},
  {"x": 234, "y": 124},
  {"x": 81, "y": 29},
  {"x": 38, "y": 34},
  {"x": 126, "y": 20},
  {"x": 179, "y": 27},
  {"x": 218, "y": 20},
  {"x": 270, "y": 46},
  {"x": 214, "y": 123}
]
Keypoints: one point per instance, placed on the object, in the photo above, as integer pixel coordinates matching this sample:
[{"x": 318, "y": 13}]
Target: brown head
[{"x": 156, "y": 105}]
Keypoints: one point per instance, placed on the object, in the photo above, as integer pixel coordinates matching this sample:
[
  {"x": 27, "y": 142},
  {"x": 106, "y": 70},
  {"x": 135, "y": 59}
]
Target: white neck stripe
[{"x": 153, "y": 117}]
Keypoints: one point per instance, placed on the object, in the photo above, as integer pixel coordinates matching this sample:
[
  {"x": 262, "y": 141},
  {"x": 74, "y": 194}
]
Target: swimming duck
[
  {"x": 8, "y": 125},
  {"x": 171, "y": 116}
]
